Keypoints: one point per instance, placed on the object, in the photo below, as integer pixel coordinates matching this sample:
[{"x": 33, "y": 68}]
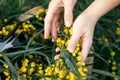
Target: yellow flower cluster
[
  {"x": 7, "y": 72},
  {"x": 1, "y": 55},
  {"x": 104, "y": 40},
  {"x": 32, "y": 67},
  {"x": 27, "y": 27},
  {"x": 118, "y": 28},
  {"x": 40, "y": 15},
  {"x": 112, "y": 53},
  {"x": 28, "y": 68},
  {"x": 118, "y": 31},
  {"x": 24, "y": 27},
  {"x": 6, "y": 29},
  {"x": 113, "y": 68},
  {"x": 62, "y": 42},
  {"x": 113, "y": 64},
  {"x": 59, "y": 70}
]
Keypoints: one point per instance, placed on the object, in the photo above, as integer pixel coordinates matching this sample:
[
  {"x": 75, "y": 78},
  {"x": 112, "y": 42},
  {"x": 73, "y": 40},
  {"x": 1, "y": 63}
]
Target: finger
[
  {"x": 54, "y": 28},
  {"x": 72, "y": 43},
  {"x": 76, "y": 34},
  {"x": 52, "y": 10},
  {"x": 48, "y": 25},
  {"x": 86, "y": 44},
  {"x": 60, "y": 23},
  {"x": 57, "y": 57},
  {"x": 57, "y": 49},
  {"x": 58, "y": 27},
  {"x": 68, "y": 14},
  {"x": 48, "y": 22}
]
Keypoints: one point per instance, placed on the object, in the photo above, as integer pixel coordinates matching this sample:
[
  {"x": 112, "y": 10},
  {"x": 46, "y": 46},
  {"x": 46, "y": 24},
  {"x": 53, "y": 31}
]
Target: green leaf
[
  {"x": 72, "y": 67},
  {"x": 2, "y": 69},
  {"x": 92, "y": 77},
  {"x": 15, "y": 57},
  {"x": 106, "y": 20},
  {"x": 2, "y": 61},
  {"x": 38, "y": 23},
  {"x": 70, "y": 62},
  {"x": 0, "y": 77},
  {"x": 20, "y": 4},
  {"x": 101, "y": 58},
  {"x": 16, "y": 65},
  {"x": 12, "y": 69},
  {"x": 40, "y": 53},
  {"x": 118, "y": 39},
  {"x": 68, "y": 55},
  {"x": 23, "y": 51},
  {"x": 81, "y": 6},
  {"x": 105, "y": 73},
  {"x": 33, "y": 38},
  {"x": 45, "y": 3},
  {"x": 22, "y": 78}
]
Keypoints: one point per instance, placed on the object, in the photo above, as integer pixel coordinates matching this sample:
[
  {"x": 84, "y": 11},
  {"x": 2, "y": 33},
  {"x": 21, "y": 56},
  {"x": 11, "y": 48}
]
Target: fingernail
[
  {"x": 45, "y": 37},
  {"x": 56, "y": 57},
  {"x": 53, "y": 40},
  {"x": 67, "y": 24},
  {"x": 57, "y": 49}
]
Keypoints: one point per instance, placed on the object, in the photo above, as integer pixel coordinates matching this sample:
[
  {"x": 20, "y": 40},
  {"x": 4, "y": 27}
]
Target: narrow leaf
[
  {"x": 33, "y": 38},
  {"x": 23, "y": 51},
  {"x": 105, "y": 73},
  {"x": 11, "y": 66}
]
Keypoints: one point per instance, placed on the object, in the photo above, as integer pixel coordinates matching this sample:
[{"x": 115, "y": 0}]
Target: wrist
[
  {"x": 100, "y": 7},
  {"x": 92, "y": 17}
]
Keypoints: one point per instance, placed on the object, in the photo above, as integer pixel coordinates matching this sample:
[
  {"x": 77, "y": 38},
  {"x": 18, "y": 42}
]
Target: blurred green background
[{"x": 105, "y": 38}]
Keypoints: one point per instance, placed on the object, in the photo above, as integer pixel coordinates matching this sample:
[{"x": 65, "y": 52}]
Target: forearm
[{"x": 100, "y": 7}]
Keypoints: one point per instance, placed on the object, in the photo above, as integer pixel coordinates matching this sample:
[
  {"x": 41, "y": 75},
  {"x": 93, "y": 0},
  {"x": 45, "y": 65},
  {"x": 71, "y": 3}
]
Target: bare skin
[{"x": 84, "y": 24}]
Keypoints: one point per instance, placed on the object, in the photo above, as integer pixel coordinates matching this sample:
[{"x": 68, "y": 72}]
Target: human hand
[
  {"x": 83, "y": 28},
  {"x": 53, "y": 19},
  {"x": 84, "y": 25}
]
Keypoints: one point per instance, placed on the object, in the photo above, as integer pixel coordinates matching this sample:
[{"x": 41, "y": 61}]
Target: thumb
[
  {"x": 76, "y": 34},
  {"x": 86, "y": 44},
  {"x": 68, "y": 13}
]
